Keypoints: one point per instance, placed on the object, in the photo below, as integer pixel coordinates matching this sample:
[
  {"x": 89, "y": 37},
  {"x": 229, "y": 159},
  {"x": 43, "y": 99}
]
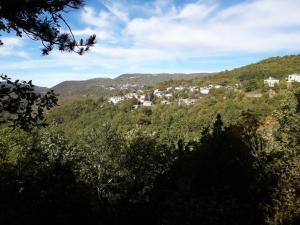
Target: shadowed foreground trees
[{"x": 233, "y": 175}]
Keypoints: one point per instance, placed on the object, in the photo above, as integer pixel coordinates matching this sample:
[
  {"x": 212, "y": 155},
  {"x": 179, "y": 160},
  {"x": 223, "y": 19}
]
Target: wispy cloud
[
  {"x": 196, "y": 29},
  {"x": 13, "y": 47},
  {"x": 251, "y": 26}
]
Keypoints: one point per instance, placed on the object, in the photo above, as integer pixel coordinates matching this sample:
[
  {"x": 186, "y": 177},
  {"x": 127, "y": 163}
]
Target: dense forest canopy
[{"x": 227, "y": 159}]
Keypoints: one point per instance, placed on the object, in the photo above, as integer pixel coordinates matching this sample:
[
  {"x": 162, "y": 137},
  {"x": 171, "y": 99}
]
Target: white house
[
  {"x": 271, "y": 81},
  {"x": 147, "y": 103},
  {"x": 142, "y": 98},
  {"x": 158, "y": 93},
  {"x": 186, "y": 101},
  {"x": 169, "y": 95},
  {"x": 116, "y": 99},
  {"x": 180, "y": 88},
  {"x": 194, "y": 89},
  {"x": 136, "y": 106},
  {"x": 204, "y": 90},
  {"x": 165, "y": 102},
  {"x": 293, "y": 78}
]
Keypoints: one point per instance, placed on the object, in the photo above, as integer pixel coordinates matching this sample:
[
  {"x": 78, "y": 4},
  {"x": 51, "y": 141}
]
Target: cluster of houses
[
  {"x": 271, "y": 82},
  {"x": 139, "y": 95},
  {"x": 164, "y": 95}
]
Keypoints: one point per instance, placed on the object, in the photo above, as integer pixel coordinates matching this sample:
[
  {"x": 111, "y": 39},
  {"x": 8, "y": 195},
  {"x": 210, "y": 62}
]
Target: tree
[
  {"x": 21, "y": 105},
  {"x": 40, "y": 20},
  {"x": 251, "y": 85}
]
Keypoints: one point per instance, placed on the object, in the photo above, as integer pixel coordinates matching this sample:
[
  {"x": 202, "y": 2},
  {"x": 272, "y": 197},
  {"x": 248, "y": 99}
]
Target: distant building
[
  {"x": 170, "y": 95},
  {"x": 293, "y": 78},
  {"x": 135, "y": 106},
  {"x": 147, "y": 103},
  {"x": 165, "y": 102},
  {"x": 194, "y": 89},
  {"x": 158, "y": 93},
  {"x": 180, "y": 88},
  {"x": 271, "y": 81},
  {"x": 204, "y": 90},
  {"x": 210, "y": 86},
  {"x": 142, "y": 98},
  {"x": 186, "y": 101},
  {"x": 130, "y": 95},
  {"x": 116, "y": 99}
]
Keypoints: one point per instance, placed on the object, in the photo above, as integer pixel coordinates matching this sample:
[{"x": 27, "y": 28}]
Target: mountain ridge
[
  {"x": 278, "y": 67},
  {"x": 123, "y": 81}
]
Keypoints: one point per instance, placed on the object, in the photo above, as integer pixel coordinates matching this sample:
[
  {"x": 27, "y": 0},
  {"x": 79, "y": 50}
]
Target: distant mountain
[
  {"x": 84, "y": 87},
  {"x": 37, "y": 89},
  {"x": 41, "y": 89},
  {"x": 126, "y": 81},
  {"x": 278, "y": 67}
]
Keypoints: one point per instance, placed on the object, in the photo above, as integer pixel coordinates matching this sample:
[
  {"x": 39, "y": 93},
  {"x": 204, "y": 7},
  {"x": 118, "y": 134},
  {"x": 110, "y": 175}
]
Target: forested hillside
[
  {"x": 227, "y": 159},
  {"x": 278, "y": 67}
]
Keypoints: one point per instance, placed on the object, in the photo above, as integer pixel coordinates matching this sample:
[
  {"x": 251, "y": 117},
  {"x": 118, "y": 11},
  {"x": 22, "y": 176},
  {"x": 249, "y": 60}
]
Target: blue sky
[{"x": 153, "y": 36}]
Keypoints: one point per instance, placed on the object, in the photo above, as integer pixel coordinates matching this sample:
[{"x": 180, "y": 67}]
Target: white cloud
[
  {"x": 12, "y": 47},
  {"x": 197, "y": 29},
  {"x": 200, "y": 28},
  {"x": 101, "y": 34},
  {"x": 12, "y": 41}
]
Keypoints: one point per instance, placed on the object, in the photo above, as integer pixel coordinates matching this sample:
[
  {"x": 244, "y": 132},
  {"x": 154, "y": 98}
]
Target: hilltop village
[{"x": 189, "y": 95}]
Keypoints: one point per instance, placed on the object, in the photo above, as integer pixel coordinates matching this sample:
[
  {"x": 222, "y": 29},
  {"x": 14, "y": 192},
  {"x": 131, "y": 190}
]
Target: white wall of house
[
  {"x": 204, "y": 91},
  {"x": 147, "y": 103},
  {"x": 294, "y": 78},
  {"x": 116, "y": 99},
  {"x": 271, "y": 82}
]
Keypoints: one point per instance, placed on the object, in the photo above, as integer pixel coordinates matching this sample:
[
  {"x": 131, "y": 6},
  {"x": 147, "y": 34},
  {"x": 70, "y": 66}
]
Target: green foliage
[
  {"x": 228, "y": 159},
  {"x": 251, "y": 85},
  {"x": 21, "y": 106}
]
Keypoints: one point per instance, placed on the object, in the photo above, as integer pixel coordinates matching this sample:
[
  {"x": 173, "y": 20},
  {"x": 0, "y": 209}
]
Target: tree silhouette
[
  {"x": 42, "y": 20},
  {"x": 21, "y": 105},
  {"x": 218, "y": 181}
]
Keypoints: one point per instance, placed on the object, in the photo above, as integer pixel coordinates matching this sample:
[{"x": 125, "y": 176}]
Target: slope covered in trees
[
  {"x": 221, "y": 161},
  {"x": 278, "y": 67}
]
